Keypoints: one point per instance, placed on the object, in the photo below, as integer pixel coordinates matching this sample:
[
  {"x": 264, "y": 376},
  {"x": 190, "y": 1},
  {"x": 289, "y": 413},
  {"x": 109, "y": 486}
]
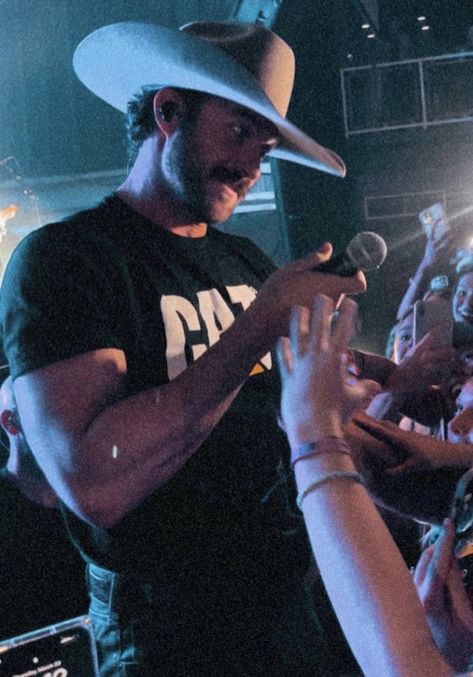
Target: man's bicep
[{"x": 57, "y": 405}]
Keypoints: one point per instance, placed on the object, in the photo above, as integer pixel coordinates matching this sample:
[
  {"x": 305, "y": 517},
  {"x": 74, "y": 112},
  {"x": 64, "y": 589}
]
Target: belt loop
[
  {"x": 102, "y": 585},
  {"x": 113, "y": 597}
]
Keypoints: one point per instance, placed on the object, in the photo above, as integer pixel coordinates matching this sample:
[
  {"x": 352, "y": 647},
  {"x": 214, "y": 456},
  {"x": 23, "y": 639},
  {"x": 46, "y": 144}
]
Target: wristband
[{"x": 326, "y": 445}]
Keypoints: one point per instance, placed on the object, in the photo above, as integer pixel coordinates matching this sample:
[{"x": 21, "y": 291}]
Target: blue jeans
[
  {"x": 139, "y": 636},
  {"x": 114, "y": 632},
  {"x": 133, "y": 639}
]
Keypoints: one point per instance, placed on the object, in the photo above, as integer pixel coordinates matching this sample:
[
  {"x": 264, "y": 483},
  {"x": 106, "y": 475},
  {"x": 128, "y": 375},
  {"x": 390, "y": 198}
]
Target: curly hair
[{"x": 140, "y": 122}]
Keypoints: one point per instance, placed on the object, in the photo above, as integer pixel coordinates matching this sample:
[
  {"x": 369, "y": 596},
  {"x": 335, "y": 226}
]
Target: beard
[
  {"x": 184, "y": 177},
  {"x": 194, "y": 186}
]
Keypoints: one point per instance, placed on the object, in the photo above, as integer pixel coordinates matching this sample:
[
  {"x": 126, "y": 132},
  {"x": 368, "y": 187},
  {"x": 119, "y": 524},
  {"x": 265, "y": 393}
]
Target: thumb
[
  {"x": 323, "y": 253},
  {"x": 325, "y": 248}
]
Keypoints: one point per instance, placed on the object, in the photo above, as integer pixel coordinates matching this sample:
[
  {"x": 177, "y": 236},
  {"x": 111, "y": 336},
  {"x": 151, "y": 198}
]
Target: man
[
  {"x": 41, "y": 573},
  {"x": 139, "y": 349}
]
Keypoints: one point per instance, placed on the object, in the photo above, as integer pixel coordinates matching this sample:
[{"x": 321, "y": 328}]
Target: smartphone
[
  {"x": 65, "y": 649},
  {"x": 434, "y": 220},
  {"x": 462, "y": 513},
  {"x": 429, "y": 314},
  {"x": 439, "y": 283}
]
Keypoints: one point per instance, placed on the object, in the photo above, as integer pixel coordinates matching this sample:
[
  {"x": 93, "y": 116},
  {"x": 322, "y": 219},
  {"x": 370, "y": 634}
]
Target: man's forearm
[{"x": 105, "y": 468}]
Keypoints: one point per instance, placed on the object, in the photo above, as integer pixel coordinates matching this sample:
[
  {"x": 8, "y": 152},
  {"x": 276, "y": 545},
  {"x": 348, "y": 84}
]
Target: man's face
[
  {"x": 212, "y": 163},
  {"x": 403, "y": 338},
  {"x": 460, "y": 428},
  {"x": 463, "y": 299}
]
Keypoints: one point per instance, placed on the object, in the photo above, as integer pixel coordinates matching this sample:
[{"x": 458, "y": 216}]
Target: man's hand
[
  {"x": 296, "y": 284},
  {"x": 439, "y": 584}
]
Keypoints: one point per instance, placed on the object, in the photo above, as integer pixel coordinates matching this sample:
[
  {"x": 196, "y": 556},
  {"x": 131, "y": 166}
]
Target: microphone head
[{"x": 367, "y": 251}]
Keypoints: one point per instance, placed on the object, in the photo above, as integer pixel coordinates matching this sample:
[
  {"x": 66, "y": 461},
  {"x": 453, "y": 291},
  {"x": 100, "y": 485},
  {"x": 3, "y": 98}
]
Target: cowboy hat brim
[{"x": 116, "y": 61}]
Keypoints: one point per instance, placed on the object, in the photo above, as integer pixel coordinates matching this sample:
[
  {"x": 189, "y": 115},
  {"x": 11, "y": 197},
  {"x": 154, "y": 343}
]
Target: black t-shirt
[{"x": 110, "y": 278}]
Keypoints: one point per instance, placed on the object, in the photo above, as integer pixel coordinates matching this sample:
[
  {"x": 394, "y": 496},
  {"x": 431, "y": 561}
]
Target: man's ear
[
  {"x": 9, "y": 422},
  {"x": 168, "y": 106}
]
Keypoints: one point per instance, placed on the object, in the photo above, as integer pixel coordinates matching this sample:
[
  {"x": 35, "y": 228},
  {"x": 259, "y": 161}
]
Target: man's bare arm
[{"x": 104, "y": 452}]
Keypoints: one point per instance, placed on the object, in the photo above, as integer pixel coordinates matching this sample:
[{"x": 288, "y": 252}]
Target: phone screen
[
  {"x": 52, "y": 653},
  {"x": 429, "y": 314},
  {"x": 434, "y": 220}
]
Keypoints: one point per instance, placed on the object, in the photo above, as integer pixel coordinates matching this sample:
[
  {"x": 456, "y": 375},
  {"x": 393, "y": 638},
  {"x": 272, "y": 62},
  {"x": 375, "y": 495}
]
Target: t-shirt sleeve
[{"x": 56, "y": 300}]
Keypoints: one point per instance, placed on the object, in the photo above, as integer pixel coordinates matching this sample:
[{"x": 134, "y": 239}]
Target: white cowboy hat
[{"x": 244, "y": 63}]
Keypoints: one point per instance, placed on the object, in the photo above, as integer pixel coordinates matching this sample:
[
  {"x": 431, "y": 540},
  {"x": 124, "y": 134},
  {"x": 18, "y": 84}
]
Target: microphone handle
[{"x": 340, "y": 265}]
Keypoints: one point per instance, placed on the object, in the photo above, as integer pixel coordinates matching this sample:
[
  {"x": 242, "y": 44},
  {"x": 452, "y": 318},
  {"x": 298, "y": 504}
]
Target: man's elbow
[{"x": 95, "y": 506}]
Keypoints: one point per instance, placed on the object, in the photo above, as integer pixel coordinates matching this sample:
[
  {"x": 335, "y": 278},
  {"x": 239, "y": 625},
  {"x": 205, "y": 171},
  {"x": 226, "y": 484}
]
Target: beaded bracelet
[
  {"x": 326, "y": 445},
  {"x": 335, "y": 475}
]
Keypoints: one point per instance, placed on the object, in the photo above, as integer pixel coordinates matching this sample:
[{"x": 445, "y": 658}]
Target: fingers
[
  {"x": 323, "y": 253},
  {"x": 345, "y": 325},
  {"x": 439, "y": 336},
  {"x": 312, "y": 331},
  {"x": 320, "y": 324},
  {"x": 299, "y": 330},
  {"x": 443, "y": 551},
  {"x": 359, "y": 395},
  {"x": 334, "y": 285},
  {"x": 459, "y": 599},
  {"x": 368, "y": 389},
  {"x": 432, "y": 574},
  {"x": 422, "y": 566},
  {"x": 457, "y": 588},
  {"x": 385, "y": 431},
  {"x": 284, "y": 357},
  {"x": 462, "y": 423}
]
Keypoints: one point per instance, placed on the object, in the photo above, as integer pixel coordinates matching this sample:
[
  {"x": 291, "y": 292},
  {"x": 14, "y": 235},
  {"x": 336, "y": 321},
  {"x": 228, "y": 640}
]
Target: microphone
[{"x": 366, "y": 251}]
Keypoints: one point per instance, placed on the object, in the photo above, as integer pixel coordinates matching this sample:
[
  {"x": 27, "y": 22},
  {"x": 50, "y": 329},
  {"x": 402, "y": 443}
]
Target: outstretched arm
[
  {"x": 368, "y": 583},
  {"x": 436, "y": 251}
]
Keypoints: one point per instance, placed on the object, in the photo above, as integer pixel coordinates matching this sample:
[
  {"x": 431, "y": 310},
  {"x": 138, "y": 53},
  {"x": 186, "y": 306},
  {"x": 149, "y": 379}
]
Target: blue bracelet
[{"x": 326, "y": 445}]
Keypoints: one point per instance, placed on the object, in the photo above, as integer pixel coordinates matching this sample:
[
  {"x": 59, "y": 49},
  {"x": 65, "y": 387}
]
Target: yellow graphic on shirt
[{"x": 212, "y": 313}]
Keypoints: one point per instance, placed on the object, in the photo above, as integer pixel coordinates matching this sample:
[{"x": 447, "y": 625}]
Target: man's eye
[
  {"x": 240, "y": 131},
  {"x": 405, "y": 337},
  {"x": 265, "y": 150}
]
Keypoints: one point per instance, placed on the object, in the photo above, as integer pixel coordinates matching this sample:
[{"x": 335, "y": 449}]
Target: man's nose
[
  {"x": 251, "y": 162},
  {"x": 252, "y": 169}
]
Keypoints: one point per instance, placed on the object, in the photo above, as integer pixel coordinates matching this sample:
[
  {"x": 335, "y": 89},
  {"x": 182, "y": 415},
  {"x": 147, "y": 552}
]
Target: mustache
[{"x": 233, "y": 176}]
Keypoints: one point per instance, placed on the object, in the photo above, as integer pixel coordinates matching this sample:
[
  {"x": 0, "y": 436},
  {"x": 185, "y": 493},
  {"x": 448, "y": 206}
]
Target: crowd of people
[{"x": 143, "y": 398}]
